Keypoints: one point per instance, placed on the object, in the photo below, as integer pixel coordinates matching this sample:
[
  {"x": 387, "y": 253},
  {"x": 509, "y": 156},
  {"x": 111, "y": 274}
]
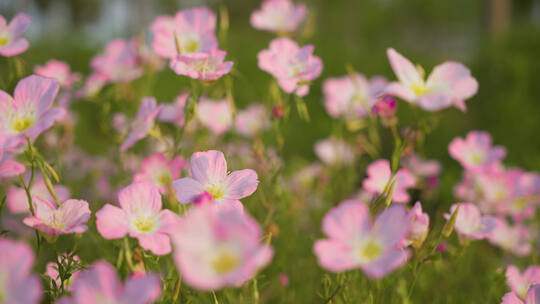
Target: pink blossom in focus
[
  {"x": 218, "y": 247},
  {"x": 520, "y": 282},
  {"x": 202, "y": 66},
  {"x": 292, "y": 66},
  {"x": 252, "y": 120},
  {"x": 379, "y": 175},
  {"x": 449, "y": 84},
  {"x": 17, "y": 201},
  {"x": 52, "y": 220},
  {"x": 99, "y": 284},
  {"x": 17, "y": 285},
  {"x": 334, "y": 151},
  {"x": 209, "y": 174},
  {"x": 190, "y": 31},
  {"x": 356, "y": 242},
  {"x": 141, "y": 216},
  {"x": 216, "y": 115},
  {"x": 159, "y": 171},
  {"x": 471, "y": 224},
  {"x": 352, "y": 96},
  {"x": 11, "y": 43},
  {"x": 144, "y": 121},
  {"x": 278, "y": 16},
  {"x": 119, "y": 62},
  {"x": 476, "y": 152},
  {"x": 174, "y": 112}
]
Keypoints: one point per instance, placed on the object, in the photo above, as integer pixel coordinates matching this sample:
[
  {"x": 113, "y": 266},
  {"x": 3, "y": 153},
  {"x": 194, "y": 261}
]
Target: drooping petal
[
  {"x": 112, "y": 222},
  {"x": 158, "y": 243}
]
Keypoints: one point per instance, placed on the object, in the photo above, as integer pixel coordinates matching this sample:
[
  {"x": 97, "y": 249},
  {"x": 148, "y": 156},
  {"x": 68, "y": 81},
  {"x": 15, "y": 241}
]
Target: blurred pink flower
[
  {"x": 58, "y": 70},
  {"x": 532, "y": 296},
  {"x": 278, "y": 16},
  {"x": 11, "y": 43},
  {"x": 216, "y": 115},
  {"x": 283, "y": 279},
  {"x": 520, "y": 283},
  {"x": 17, "y": 285},
  {"x": 252, "y": 120},
  {"x": 190, "y": 31},
  {"x": 174, "y": 112},
  {"x": 209, "y": 174},
  {"x": 92, "y": 85},
  {"x": 53, "y": 220},
  {"x": 514, "y": 239},
  {"x": 119, "y": 62},
  {"x": 379, "y": 176},
  {"x": 202, "y": 66},
  {"x": 141, "y": 216},
  {"x": 8, "y": 166},
  {"x": 292, "y": 66},
  {"x": 334, "y": 151},
  {"x": 99, "y": 284},
  {"x": 355, "y": 242},
  {"x": 421, "y": 167},
  {"x": 476, "y": 152},
  {"x": 159, "y": 171},
  {"x": 352, "y": 96},
  {"x": 143, "y": 123},
  {"x": 17, "y": 201},
  {"x": 218, "y": 247},
  {"x": 51, "y": 269},
  {"x": 449, "y": 84},
  {"x": 470, "y": 223},
  {"x": 419, "y": 225}
]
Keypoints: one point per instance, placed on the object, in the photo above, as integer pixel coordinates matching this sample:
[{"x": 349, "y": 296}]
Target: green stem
[
  {"x": 177, "y": 288},
  {"x": 127, "y": 251}
]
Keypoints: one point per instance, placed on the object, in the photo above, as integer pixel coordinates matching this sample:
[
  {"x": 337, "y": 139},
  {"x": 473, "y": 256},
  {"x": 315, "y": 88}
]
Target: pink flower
[
  {"x": 93, "y": 85},
  {"x": 17, "y": 201},
  {"x": 144, "y": 121},
  {"x": 252, "y": 120},
  {"x": 60, "y": 71},
  {"x": 334, "y": 151},
  {"x": 352, "y": 96},
  {"x": 532, "y": 296},
  {"x": 202, "y": 66},
  {"x": 69, "y": 217},
  {"x": 216, "y": 115},
  {"x": 174, "y": 113},
  {"x": 190, "y": 31},
  {"x": 449, "y": 84},
  {"x": 520, "y": 283},
  {"x": 8, "y": 166},
  {"x": 379, "y": 176},
  {"x": 421, "y": 167},
  {"x": 159, "y": 171},
  {"x": 385, "y": 107},
  {"x": 17, "y": 285},
  {"x": 476, "y": 152},
  {"x": 278, "y": 16},
  {"x": 355, "y": 242},
  {"x": 291, "y": 65},
  {"x": 140, "y": 216},
  {"x": 99, "y": 284},
  {"x": 29, "y": 112},
  {"x": 11, "y": 43},
  {"x": 419, "y": 225},
  {"x": 218, "y": 247},
  {"x": 119, "y": 62},
  {"x": 51, "y": 269},
  {"x": 470, "y": 224},
  {"x": 514, "y": 239},
  {"x": 209, "y": 174}
]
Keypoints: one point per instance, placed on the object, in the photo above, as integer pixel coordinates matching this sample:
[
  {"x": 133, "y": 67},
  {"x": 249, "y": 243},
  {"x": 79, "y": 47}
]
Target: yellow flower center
[
  {"x": 476, "y": 159},
  {"x": 21, "y": 124},
  {"x": 420, "y": 89},
  {"x": 370, "y": 250},
  {"x": 3, "y": 41},
  {"x": 164, "y": 179},
  {"x": 224, "y": 263},
  {"x": 216, "y": 191},
  {"x": 144, "y": 224},
  {"x": 56, "y": 222},
  {"x": 191, "y": 46}
]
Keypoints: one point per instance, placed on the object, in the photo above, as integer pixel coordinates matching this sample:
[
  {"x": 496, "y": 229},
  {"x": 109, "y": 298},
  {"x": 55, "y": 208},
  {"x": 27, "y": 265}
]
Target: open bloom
[
  {"x": 476, "y": 152},
  {"x": 449, "y": 84},
  {"x": 379, "y": 175},
  {"x": 190, "y": 31},
  {"x": 352, "y": 96},
  {"x": 52, "y": 220},
  {"x": 99, "y": 284},
  {"x": 334, "y": 151},
  {"x": 291, "y": 65},
  {"x": 217, "y": 247},
  {"x": 17, "y": 201},
  {"x": 143, "y": 123},
  {"x": 252, "y": 120},
  {"x": 17, "y": 285},
  {"x": 159, "y": 171},
  {"x": 514, "y": 239},
  {"x": 140, "y": 216},
  {"x": 202, "y": 66},
  {"x": 51, "y": 269},
  {"x": 11, "y": 43},
  {"x": 209, "y": 174},
  {"x": 419, "y": 225},
  {"x": 532, "y": 296},
  {"x": 354, "y": 242},
  {"x": 119, "y": 62},
  {"x": 520, "y": 283},
  {"x": 58, "y": 70},
  {"x": 216, "y": 115},
  {"x": 174, "y": 112},
  {"x": 278, "y": 16},
  {"x": 29, "y": 112},
  {"x": 469, "y": 222}
]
